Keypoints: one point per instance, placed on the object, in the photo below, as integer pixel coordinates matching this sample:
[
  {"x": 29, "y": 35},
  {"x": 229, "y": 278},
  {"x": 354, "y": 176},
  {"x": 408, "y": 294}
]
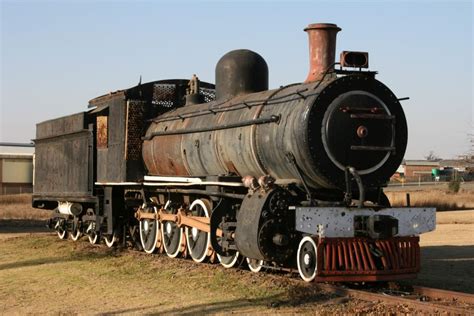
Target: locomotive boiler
[{"x": 287, "y": 178}]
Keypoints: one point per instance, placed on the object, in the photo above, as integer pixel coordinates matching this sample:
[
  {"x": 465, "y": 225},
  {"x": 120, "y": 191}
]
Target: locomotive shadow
[
  {"x": 295, "y": 296},
  {"x": 447, "y": 267},
  {"x": 11, "y": 226},
  {"x": 74, "y": 257}
]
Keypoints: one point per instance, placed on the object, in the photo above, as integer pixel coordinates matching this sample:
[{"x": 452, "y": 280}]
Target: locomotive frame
[{"x": 227, "y": 173}]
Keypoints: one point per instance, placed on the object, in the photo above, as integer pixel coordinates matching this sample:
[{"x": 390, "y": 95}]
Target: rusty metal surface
[
  {"x": 111, "y": 165},
  {"x": 211, "y": 152},
  {"x": 274, "y": 142},
  {"x": 361, "y": 257},
  {"x": 209, "y": 139},
  {"x": 322, "y": 49},
  {"x": 127, "y": 114},
  {"x": 260, "y": 149},
  {"x": 102, "y": 135}
]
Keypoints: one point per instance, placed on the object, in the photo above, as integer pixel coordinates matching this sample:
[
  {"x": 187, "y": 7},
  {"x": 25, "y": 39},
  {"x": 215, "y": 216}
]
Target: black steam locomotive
[{"x": 285, "y": 178}]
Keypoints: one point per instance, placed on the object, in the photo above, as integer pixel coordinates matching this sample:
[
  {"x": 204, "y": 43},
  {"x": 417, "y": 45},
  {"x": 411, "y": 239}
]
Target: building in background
[
  {"x": 417, "y": 170},
  {"x": 16, "y": 169},
  {"x": 427, "y": 171}
]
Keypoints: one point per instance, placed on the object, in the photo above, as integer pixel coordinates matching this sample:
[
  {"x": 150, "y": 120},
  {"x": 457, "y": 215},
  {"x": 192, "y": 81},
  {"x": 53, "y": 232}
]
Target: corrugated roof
[{"x": 421, "y": 163}]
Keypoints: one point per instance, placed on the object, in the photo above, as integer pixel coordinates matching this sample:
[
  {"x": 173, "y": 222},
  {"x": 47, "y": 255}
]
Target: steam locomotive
[{"x": 289, "y": 178}]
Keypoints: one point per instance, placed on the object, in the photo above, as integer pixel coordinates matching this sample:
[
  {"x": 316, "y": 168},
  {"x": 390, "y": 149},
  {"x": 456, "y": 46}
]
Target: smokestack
[{"x": 322, "y": 49}]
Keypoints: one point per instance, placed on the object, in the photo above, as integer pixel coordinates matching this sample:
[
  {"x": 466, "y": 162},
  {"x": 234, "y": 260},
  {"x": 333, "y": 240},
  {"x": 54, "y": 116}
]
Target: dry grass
[
  {"x": 18, "y": 206},
  {"x": 44, "y": 275},
  {"x": 15, "y": 198},
  {"x": 439, "y": 198}
]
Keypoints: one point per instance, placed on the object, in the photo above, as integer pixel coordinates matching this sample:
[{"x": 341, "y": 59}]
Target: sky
[{"x": 57, "y": 55}]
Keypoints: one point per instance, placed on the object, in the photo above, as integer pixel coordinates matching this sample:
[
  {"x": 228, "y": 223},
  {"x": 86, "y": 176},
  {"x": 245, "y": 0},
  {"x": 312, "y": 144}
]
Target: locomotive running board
[{"x": 173, "y": 179}]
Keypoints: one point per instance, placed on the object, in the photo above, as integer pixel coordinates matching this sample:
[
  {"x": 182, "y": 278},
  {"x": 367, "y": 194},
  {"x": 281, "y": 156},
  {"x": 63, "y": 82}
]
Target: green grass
[{"x": 45, "y": 274}]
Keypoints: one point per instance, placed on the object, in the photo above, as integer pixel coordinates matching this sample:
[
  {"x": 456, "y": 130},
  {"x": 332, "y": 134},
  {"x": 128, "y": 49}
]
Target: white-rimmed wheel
[
  {"x": 307, "y": 259},
  {"x": 172, "y": 235},
  {"x": 255, "y": 265},
  {"x": 76, "y": 232},
  {"x": 61, "y": 228},
  {"x": 230, "y": 261},
  {"x": 93, "y": 236},
  {"x": 110, "y": 240},
  {"x": 198, "y": 241},
  {"x": 149, "y": 230}
]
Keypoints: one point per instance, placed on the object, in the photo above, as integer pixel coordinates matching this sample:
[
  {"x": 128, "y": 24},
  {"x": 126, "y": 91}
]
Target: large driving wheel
[
  {"x": 149, "y": 230},
  {"x": 172, "y": 235},
  {"x": 198, "y": 241},
  {"x": 307, "y": 259}
]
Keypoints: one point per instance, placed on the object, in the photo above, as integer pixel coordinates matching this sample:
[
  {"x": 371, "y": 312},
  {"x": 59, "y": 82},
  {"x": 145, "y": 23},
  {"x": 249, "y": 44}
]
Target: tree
[
  {"x": 432, "y": 156},
  {"x": 469, "y": 155}
]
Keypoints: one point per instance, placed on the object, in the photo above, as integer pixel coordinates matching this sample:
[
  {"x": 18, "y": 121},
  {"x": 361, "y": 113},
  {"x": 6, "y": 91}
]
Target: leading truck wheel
[
  {"x": 198, "y": 241},
  {"x": 230, "y": 261},
  {"x": 149, "y": 230},
  {"x": 307, "y": 259},
  {"x": 255, "y": 265}
]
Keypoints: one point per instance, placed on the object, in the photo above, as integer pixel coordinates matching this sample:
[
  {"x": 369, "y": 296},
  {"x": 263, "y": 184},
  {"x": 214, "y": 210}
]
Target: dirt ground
[
  {"x": 41, "y": 274},
  {"x": 447, "y": 254}
]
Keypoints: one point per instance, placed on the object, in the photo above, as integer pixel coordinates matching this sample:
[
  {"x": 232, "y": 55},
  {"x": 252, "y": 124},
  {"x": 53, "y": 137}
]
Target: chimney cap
[{"x": 315, "y": 26}]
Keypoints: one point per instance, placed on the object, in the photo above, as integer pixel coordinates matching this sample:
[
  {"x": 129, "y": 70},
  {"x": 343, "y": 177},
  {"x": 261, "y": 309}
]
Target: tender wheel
[
  {"x": 307, "y": 259},
  {"x": 76, "y": 232},
  {"x": 110, "y": 240},
  {"x": 149, "y": 230},
  {"x": 198, "y": 241},
  {"x": 255, "y": 265},
  {"x": 230, "y": 261},
  {"x": 171, "y": 234},
  {"x": 93, "y": 236},
  {"x": 76, "y": 235},
  {"x": 61, "y": 228}
]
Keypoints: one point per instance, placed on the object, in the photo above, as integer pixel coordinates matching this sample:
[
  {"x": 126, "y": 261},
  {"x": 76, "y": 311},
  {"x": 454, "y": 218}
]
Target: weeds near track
[
  {"x": 18, "y": 206},
  {"x": 442, "y": 200}
]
